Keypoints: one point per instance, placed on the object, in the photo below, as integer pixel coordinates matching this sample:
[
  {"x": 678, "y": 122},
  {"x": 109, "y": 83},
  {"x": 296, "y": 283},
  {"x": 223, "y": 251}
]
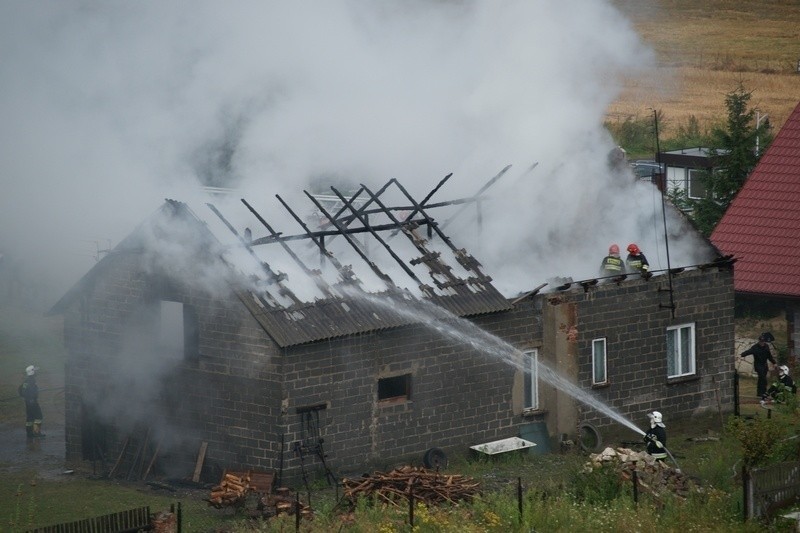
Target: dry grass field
[{"x": 704, "y": 49}]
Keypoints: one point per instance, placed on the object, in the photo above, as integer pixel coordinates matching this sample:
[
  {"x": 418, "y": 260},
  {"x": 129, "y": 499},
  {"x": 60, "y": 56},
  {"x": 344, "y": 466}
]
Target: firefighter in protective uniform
[
  {"x": 612, "y": 264},
  {"x": 656, "y": 437},
  {"x": 779, "y": 390},
  {"x": 636, "y": 261},
  {"x": 29, "y": 391}
]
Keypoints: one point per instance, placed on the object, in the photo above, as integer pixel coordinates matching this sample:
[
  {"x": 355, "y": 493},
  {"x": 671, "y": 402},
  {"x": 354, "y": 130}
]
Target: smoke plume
[{"x": 110, "y": 107}]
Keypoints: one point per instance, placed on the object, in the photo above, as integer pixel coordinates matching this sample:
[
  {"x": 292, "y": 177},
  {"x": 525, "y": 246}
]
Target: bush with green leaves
[{"x": 758, "y": 437}]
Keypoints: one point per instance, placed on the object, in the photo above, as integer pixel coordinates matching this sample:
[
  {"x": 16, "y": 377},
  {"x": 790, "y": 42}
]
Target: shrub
[{"x": 758, "y": 437}]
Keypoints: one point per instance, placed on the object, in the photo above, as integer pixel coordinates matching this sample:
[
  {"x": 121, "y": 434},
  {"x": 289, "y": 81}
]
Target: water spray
[{"x": 466, "y": 332}]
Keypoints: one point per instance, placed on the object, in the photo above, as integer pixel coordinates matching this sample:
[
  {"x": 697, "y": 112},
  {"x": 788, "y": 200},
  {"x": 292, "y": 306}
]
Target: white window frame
[
  {"x": 599, "y": 355},
  {"x": 530, "y": 361},
  {"x": 693, "y": 178},
  {"x": 679, "y": 363}
]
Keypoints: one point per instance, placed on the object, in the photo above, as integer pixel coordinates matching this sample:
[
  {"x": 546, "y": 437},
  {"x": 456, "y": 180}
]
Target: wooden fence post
[{"x": 746, "y": 491}]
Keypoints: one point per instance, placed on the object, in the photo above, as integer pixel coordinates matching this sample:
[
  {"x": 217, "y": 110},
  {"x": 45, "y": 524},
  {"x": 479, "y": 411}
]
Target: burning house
[{"x": 198, "y": 330}]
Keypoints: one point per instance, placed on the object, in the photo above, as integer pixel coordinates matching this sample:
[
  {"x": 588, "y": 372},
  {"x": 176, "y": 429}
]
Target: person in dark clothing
[
  {"x": 777, "y": 391},
  {"x": 612, "y": 264},
  {"x": 29, "y": 391},
  {"x": 656, "y": 437},
  {"x": 636, "y": 261},
  {"x": 761, "y": 355}
]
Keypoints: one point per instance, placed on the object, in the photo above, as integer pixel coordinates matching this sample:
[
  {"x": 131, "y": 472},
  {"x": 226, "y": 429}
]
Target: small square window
[{"x": 395, "y": 388}]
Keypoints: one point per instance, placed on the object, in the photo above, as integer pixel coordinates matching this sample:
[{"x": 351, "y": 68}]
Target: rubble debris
[
  {"x": 429, "y": 486},
  {"x": 655, "y": 477},
  {"x": 164, "y": 522}
]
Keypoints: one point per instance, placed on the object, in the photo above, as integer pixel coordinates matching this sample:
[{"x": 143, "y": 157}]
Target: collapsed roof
[{"x": 400, "y": 251}]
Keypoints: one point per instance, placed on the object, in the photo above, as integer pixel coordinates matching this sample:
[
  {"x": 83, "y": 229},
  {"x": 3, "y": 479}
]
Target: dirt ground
[{"x": 44, "y": 456}]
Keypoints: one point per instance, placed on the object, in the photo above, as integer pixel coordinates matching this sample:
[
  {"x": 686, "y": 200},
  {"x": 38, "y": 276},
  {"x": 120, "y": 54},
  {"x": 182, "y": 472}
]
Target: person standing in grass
[
  {"x": 761, "y": 355},
  {"x": 29, "y": 391}
]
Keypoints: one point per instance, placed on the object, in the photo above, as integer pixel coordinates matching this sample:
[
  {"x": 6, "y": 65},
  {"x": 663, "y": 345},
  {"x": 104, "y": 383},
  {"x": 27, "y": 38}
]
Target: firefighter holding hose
[{"x": 656, "y": 437}]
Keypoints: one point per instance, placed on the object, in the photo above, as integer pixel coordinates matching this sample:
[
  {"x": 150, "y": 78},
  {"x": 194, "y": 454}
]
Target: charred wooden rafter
[
  {"x": 356, "y": 246},
  {"x": 316, "y": 275},
  {"x": 274, "y": 277},
  {"x": 365, "y": 222}
]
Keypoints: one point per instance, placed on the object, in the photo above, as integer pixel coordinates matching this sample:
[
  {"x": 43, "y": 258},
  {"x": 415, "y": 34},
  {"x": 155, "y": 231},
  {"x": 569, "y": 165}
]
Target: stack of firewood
[
  {"x": 283, "y": 501},
  {"x": 428, "y": 486},
  {"x": 232, "y": 490},
  {"x": 655, "y": 477}
]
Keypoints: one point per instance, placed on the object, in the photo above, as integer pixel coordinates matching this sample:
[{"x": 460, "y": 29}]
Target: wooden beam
[{"x": 200, "y": 458}]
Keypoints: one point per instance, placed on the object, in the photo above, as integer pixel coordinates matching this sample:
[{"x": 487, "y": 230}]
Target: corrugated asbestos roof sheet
[
  {"x": 338, "y": 317},
  {"x": 761, "y": 228}
]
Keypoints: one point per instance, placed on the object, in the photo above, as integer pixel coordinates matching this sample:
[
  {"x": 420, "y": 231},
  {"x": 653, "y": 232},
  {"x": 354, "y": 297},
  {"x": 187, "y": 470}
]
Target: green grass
[{"x": 32, "y": 502}]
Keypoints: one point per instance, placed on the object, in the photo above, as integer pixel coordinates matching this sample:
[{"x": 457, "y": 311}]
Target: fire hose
[{"x": 658, "y": 443}]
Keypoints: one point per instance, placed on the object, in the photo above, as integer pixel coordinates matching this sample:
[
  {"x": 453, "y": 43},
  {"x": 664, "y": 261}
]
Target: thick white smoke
[{"x": 109, "y": 107}]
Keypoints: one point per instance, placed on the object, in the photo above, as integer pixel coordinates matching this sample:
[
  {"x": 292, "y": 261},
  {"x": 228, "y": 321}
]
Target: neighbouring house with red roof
[{"x": 761, "y": 227}]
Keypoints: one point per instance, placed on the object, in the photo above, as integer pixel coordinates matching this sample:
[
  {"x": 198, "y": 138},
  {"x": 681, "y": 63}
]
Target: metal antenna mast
[{"x": 671, "y": 304}]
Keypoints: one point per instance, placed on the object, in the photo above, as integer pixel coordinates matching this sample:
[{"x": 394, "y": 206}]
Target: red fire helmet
[
  {"x": 632, "y": 248},
  {"x": 613, "y": 249}
]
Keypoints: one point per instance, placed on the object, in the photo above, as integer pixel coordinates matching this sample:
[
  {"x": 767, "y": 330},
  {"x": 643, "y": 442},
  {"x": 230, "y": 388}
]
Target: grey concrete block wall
[
  {"x": 233, "y": 382},
  {"x": 242, "y": 393},
  {"x": 459, "y": 397},
  {"x": 634, "y": 323}
]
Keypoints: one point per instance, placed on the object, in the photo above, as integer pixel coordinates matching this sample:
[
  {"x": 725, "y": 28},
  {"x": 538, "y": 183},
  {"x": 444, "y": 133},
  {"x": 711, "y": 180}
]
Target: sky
[{"x": 110, "y": 107}]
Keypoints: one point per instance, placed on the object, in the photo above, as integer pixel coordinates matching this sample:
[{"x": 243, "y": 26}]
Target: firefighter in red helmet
[
  {"x": 612, "y": 264},
  {"x": 636, "y": 261}
]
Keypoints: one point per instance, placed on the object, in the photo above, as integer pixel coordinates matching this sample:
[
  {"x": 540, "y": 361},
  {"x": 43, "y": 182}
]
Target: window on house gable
[
  {"x": 680, "y": 350},
  {"x": 530, "y": 363},
  {"x": 696, "y": 189},
  {"x": 394, "y": 388},
  {"x": 599, "y": 375},
  {"x": 178, "y": 332}
]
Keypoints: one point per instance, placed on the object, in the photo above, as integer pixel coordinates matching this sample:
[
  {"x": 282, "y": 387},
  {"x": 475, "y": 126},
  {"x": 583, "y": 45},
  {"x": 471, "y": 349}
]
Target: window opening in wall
[
  {"x": 599, "y": 375},
  {"x": 680, "y": 350},
  {"x": 531, "y": 378},
  {"x": 170, "y": 331},
  {"x": 394, "y": 388},
  {"x": 178, "y": 331}
]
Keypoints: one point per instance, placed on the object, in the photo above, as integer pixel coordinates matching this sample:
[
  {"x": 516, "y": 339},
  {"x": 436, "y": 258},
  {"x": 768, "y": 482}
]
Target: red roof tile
[{"x": 761, "y": 228}]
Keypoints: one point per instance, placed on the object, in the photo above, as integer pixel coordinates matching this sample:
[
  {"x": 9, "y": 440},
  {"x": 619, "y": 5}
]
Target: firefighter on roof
[
  {"x": 636, "y": 261},
  {"x": 612, "y": 264}
]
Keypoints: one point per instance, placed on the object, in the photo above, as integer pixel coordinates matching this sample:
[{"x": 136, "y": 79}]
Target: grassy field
[{"x": 704, "y": 50}]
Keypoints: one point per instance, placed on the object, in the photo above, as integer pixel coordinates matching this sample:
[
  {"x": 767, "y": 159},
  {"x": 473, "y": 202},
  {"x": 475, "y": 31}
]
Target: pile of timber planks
[{"x": 428, "y": 486}]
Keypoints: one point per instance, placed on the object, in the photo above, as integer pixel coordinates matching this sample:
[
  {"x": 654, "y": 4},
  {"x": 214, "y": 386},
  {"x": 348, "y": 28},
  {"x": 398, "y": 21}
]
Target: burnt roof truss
[{"x": 363, "y": 218}]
